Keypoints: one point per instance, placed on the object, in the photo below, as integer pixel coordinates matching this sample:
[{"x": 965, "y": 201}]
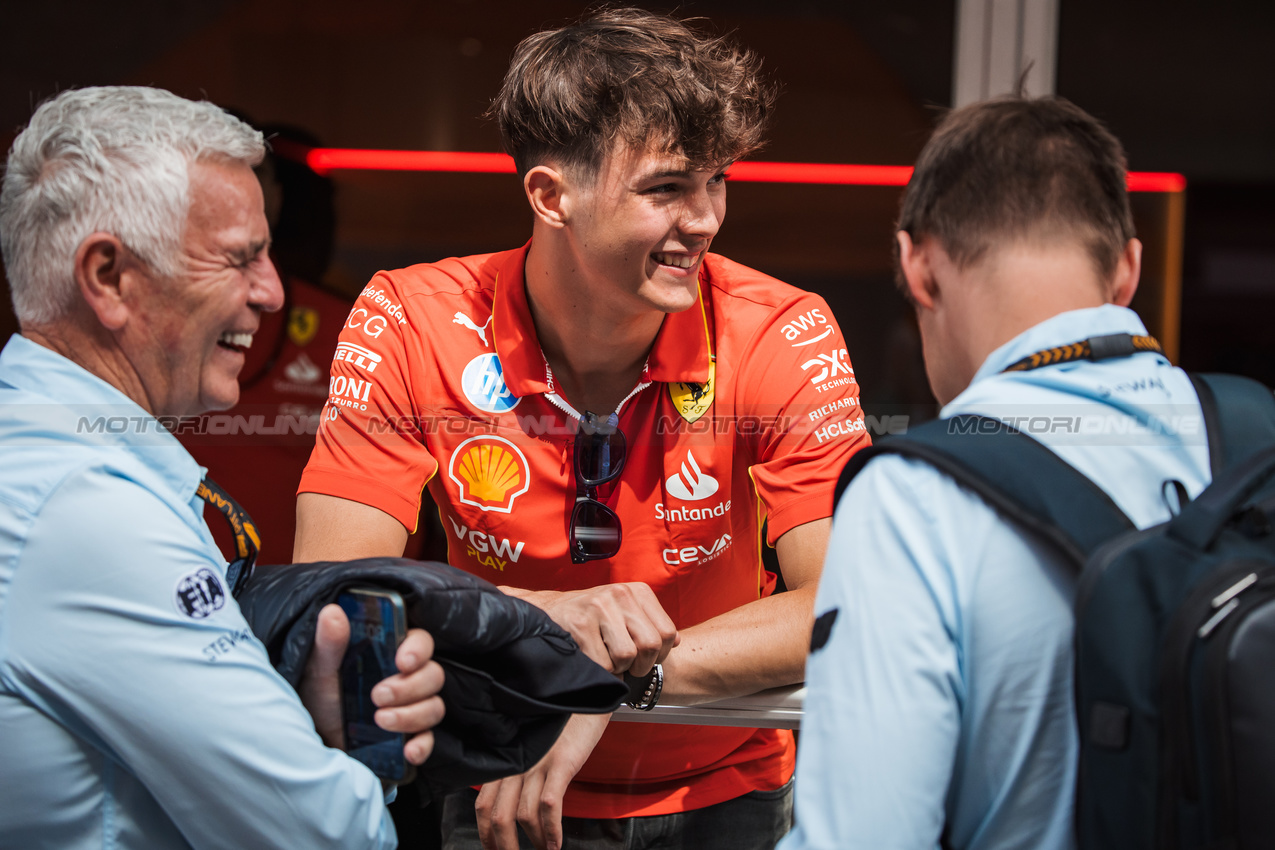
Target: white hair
[{"x": 113, "y": 159}]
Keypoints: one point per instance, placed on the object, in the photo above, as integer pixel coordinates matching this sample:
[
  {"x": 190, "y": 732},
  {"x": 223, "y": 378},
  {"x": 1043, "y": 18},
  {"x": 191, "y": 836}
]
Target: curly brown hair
[{"x": 623, "y": 74}]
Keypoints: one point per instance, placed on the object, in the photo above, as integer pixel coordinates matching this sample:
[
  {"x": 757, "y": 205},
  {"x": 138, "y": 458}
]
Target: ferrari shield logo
[
  {"x": 693, "y": 400},
  {"x": 303, "y": 324}
]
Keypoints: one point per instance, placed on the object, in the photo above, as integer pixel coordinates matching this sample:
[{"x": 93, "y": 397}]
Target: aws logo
[
  {"x": 806, "y": 321},
  {"x": 491, "y": 473}
]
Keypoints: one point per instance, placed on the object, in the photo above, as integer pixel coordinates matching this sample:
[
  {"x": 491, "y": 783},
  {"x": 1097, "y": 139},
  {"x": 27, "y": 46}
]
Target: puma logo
[{"x": 464, "y": 321}]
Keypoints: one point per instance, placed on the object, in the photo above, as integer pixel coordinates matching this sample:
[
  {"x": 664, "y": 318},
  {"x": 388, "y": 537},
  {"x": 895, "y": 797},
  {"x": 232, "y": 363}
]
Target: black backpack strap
[
  {"x": 1015, "y": 474},
  {"x": 1239, "y": 415}
]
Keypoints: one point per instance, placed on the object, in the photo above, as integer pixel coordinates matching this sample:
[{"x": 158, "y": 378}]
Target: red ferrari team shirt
[{"x": 746, "y": 412}]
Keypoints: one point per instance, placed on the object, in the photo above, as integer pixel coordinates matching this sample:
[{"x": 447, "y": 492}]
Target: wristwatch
[{"x": 644, "y": 691}]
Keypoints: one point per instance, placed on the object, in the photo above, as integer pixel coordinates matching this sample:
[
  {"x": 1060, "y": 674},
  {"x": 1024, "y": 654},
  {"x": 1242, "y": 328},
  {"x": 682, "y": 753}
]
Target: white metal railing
[{"x": 777, "y": 708}]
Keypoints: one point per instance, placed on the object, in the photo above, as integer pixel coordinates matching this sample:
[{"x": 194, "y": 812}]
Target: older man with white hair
[{"x": 137, "y": 708}]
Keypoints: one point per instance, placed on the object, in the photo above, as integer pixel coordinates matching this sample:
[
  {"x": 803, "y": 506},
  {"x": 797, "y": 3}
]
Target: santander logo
[{"x": 691, "y": 484}]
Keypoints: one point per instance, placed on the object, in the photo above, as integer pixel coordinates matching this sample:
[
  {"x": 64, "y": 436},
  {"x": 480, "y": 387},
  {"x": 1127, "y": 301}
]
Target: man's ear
[
  {"x": 1128, "y": 269},
  {"x": 101, "y": 265},
  {"x": 545, "y": 186},
  {"x": 914, "y": 262}
]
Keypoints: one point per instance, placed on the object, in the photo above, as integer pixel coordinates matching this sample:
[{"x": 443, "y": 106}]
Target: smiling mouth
[
  {"x": 682, "y": 261},
  {"x": 235, "y": 341}
]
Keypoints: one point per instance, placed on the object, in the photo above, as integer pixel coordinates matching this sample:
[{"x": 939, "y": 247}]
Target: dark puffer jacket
[{"x": 513, "y": 676}]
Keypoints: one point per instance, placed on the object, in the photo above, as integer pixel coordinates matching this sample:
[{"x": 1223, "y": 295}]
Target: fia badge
[
  {"x": 693, "y": 400},
  {"x": 199, "y": 594},
  {"x": 303, "y": 324}
]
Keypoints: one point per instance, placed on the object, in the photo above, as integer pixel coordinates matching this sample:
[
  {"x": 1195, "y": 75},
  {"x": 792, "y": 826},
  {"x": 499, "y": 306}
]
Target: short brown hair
[
  {"x": 1014, "y": 167},
  {"x": 630, "y": 75}
]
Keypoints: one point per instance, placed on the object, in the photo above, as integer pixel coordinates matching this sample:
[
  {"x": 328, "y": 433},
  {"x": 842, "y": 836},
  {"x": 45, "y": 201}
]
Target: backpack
[{"x": 1175, "y": 624}]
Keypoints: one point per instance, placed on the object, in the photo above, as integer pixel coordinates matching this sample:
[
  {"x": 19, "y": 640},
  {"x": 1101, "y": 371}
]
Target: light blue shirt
[
  {"x": 136, "y": 708},
  {"x": 944, "y": 694}
]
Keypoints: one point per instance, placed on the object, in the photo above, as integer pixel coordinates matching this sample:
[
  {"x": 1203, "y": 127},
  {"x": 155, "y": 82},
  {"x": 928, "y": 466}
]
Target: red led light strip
[{"x": 326, "y": 160}]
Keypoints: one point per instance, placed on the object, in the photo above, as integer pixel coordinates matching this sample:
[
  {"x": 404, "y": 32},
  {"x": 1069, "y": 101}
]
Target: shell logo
[{"x": 490, "y": 472}]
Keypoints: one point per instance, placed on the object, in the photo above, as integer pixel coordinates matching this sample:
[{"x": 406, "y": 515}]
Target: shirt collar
[
  {"x": 1063, "y": 329},
  {"x": 682, "y": 349},
  {"x": 77, "y": 399}
]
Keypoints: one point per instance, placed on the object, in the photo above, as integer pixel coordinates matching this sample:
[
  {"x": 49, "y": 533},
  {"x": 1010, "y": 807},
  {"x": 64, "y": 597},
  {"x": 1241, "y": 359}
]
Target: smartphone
[{"x": 378, "y": 624}]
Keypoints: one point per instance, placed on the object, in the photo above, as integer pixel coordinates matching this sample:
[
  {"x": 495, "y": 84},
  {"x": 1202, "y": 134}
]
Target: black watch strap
[{"x": 644, "y": 691}]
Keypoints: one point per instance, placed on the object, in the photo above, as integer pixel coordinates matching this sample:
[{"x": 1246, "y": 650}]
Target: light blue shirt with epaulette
[
  {"x": 942, "y": 700},
  {"x": 137, "y": 710}
]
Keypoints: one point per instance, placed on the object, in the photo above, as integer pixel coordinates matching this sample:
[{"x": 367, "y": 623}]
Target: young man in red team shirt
[{"x": 513, "y": 383}]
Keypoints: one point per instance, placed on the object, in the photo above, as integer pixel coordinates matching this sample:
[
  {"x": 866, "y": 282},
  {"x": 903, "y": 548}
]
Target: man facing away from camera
[
  {"x": 605, "y": 416},
  {"x": 138, "y": 710},
  {"x": 940, "y": 702}
]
